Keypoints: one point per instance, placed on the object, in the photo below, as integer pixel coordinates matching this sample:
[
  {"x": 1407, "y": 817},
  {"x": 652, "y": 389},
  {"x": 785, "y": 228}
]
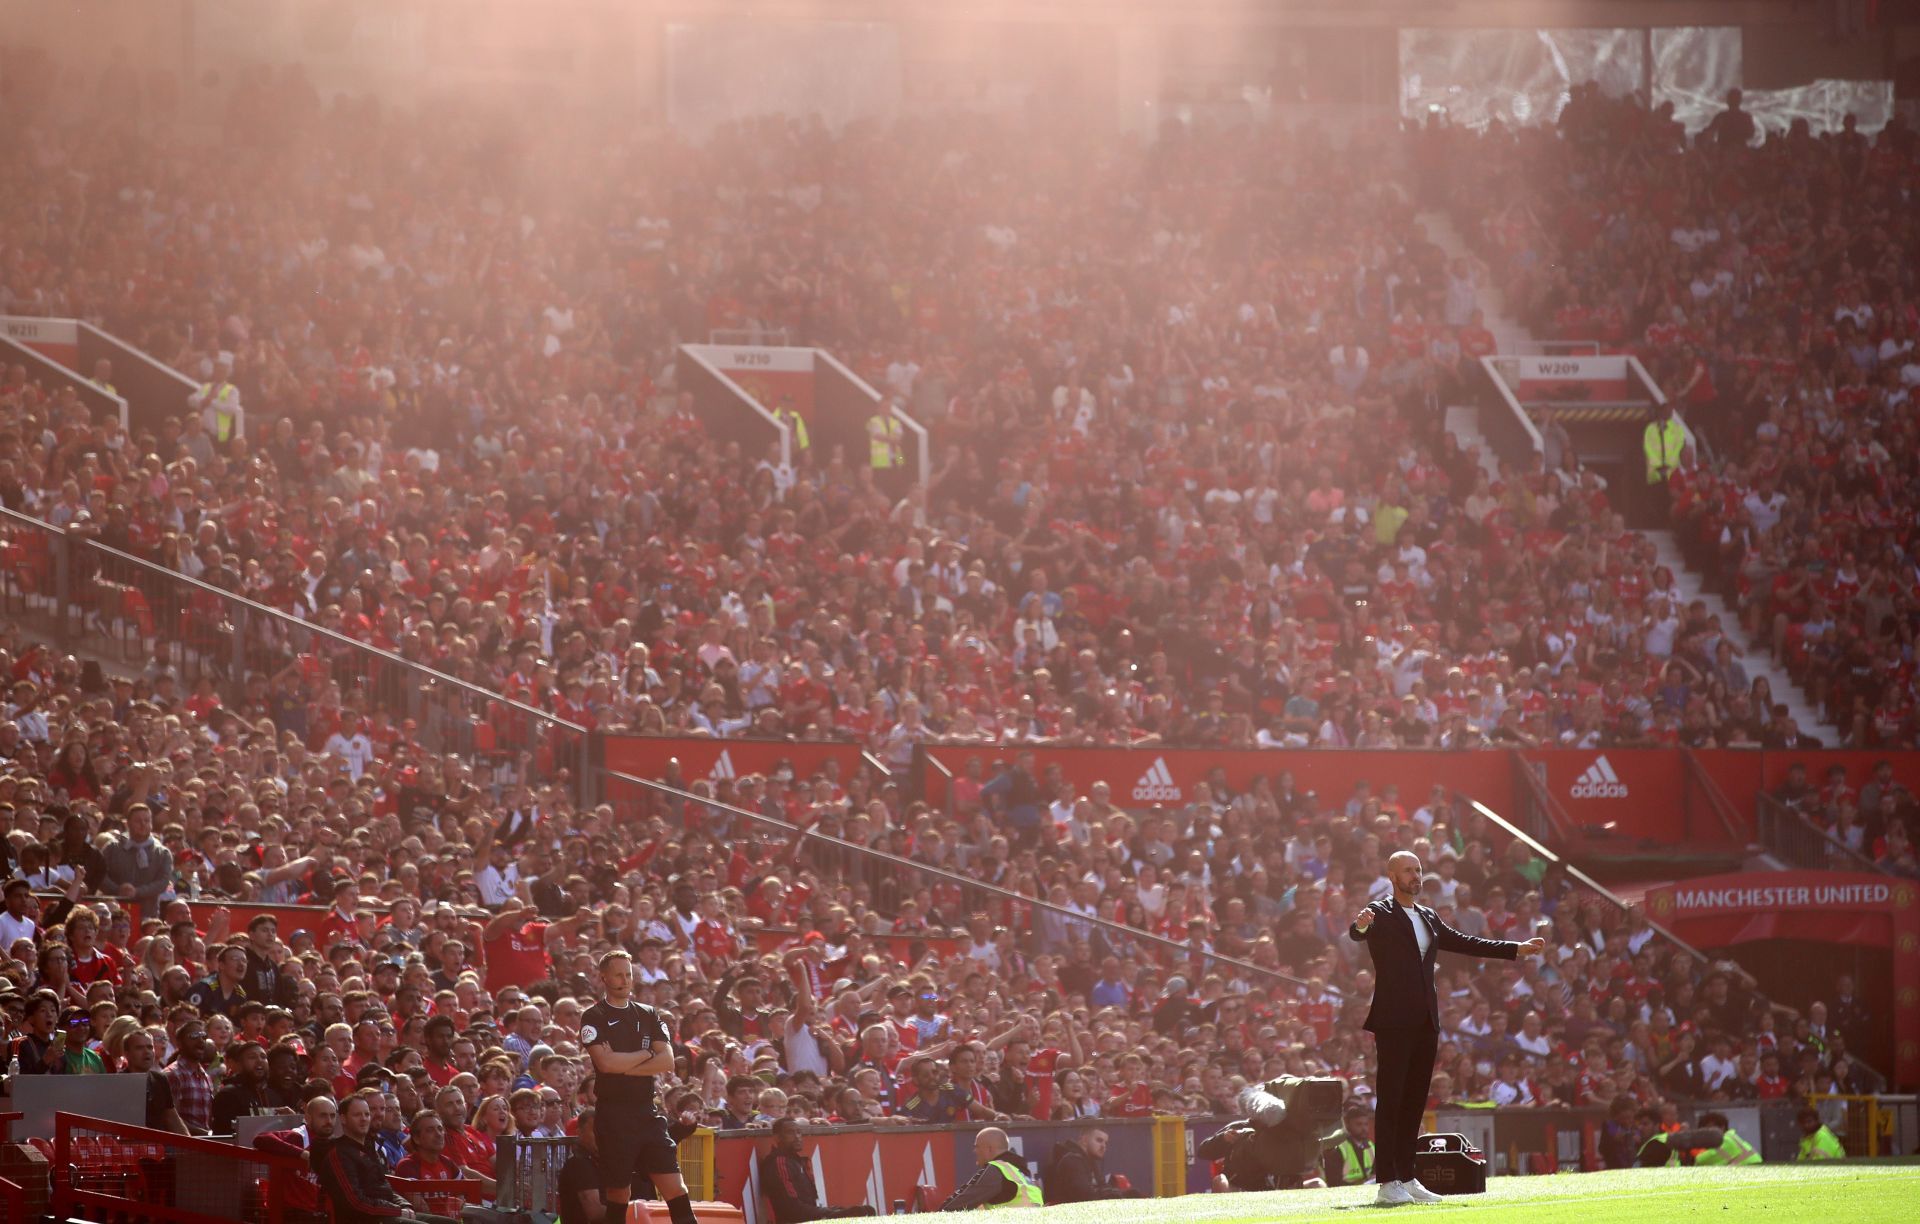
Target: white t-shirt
[
  {"x": 1539, "y": 1045},
  {"x": 1422, "y": 934},
  {"x": 803, "y": 1050},
  {"x": 1716, "y": 1071},
  {"x": 495, "y": 885},
  {"x": 14, "y": 929}
]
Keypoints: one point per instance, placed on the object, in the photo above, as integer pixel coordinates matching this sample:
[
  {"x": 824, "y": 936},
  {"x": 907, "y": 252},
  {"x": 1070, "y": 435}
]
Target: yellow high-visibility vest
[
  {"x": 883, "y": 442},
  {"x": 1663, "y": 442},
  {"x": 1733, "y": 1150},
  {"x": 221, "y": 400},
  {"x": 1356, "y": 1164},
  {"x": 1822, "y": 1144},
  {"x": 1025, "y": 1193},
  {"x": 797, "y": 423}
]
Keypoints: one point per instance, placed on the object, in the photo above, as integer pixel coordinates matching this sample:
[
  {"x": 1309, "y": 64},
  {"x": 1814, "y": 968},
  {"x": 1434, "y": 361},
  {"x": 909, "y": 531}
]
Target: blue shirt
[{"x": 943, "y": 1104}]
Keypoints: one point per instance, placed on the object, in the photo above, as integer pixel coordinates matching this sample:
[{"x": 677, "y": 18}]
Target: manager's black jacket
[{"x": 1403, "y": 979}]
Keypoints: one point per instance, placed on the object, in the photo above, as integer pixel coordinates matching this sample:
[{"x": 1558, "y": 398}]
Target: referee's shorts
[{"x": 633, "y": 1149}]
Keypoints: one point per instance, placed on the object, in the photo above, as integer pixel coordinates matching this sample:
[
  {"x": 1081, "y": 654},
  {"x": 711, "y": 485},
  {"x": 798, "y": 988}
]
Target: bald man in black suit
[{"x": 1402, "y": 937}]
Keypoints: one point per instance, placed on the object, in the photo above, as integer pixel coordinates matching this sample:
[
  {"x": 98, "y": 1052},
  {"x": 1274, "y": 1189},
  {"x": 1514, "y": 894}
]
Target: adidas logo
[
  {"x": 1599, "y": 782},
  {"x": 722, "y": 770},
  {"x": 1157, "y": 785}
]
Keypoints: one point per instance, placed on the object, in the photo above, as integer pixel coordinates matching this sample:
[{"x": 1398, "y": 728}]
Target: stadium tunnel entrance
[{"x": 1798, "y": 931}]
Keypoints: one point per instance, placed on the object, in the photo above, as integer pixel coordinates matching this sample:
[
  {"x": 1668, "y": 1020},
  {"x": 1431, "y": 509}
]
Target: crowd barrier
[
  {"x": 100, "y": 1166},
  {"x": 922, "y": 1165}
]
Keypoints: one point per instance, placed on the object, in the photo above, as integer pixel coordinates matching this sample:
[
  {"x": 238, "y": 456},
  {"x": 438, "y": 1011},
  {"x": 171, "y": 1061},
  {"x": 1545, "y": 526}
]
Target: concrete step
[
  {"x": 1693, "y": 586},
  {"x": 1509, "y": 336},
  {"x": 1463, "y": 422}
]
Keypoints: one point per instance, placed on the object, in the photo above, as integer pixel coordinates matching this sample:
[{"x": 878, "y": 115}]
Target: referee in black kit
[
  {"x": 1402, "y": 937},
  {"x": 629, "y": 1044}
]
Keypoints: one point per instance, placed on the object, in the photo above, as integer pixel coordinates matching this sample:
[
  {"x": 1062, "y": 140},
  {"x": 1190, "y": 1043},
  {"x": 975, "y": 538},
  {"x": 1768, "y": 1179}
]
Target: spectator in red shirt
[
  {"x": 322, "y": 1116},
  {"x": 90, "y": 962},
  {"x": 341, "y": 925},
  {"x": 517, "y": 943},
  {"x": 1131, "y": 1096},
  {"x": 438, "y": 1056},
  {"x": 428, "y": 1160},
  {"x": 466, "y": 1146}
]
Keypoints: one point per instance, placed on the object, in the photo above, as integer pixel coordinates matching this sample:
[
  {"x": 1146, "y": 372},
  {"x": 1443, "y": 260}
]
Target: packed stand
[
  {"x": 457, "y": 950},
  {"x": 1769, "y": 290},
  {"x": 1241, "y": 492},
  {"x": 1153, "y": 520}
]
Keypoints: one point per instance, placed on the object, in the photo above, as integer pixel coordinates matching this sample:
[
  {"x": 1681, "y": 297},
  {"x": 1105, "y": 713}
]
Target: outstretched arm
[{"x": 1450, "y": 940}]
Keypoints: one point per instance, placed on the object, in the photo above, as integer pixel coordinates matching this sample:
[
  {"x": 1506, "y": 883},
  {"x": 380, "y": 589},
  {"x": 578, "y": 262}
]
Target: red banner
[
  {"x": 717, "y": 760},
  {"x": 1146, "y": 776},
  {"x": 850, "y": 1167},
  {"x": 1638, "y": 792},
  {"x": 1853, "y": 908}
]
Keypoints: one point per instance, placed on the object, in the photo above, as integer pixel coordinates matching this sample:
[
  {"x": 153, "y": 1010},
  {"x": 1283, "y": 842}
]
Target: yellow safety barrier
[
  {"x": 1169, "y": 1155},
  {"x": 696, "y": 1163},
  {"x": 1868, "y": 1125}
]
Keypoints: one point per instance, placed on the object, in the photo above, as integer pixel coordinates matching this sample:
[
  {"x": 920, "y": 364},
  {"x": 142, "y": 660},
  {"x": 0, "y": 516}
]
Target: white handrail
[
  {"x": 1513, "y": 405},
  {"x": 691, "y": 351}
]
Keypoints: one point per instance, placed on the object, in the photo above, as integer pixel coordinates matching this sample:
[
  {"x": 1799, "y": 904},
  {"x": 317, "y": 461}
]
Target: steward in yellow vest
[
  {"x": 1733, "y": 1150},
  {"x": 1350, "y": 1162},
  {"x": 886, "y": 445},
  {"x": 1664, "y": 441},
  {"x": 798, "y": 424},
  {"x": 1816, "y": 1141},
  {"x": 1001, "y": 1181}
]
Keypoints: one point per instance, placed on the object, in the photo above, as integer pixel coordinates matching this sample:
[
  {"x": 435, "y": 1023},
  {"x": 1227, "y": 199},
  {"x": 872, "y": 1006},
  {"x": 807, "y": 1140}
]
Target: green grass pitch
[{"x": 1856, "y": 1192}]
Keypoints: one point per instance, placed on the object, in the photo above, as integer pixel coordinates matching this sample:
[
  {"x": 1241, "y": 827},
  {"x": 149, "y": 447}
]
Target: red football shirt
[
  {"x": 518, "y": 957},
  {"x": 1040, "y": 1083}
]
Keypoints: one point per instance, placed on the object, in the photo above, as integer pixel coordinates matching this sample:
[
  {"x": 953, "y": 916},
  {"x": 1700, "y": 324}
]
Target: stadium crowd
[
  {"x": 1771, "y": 292},
  {"x": 1193, "y": 488},
  {"x": 463, "y": 440}
]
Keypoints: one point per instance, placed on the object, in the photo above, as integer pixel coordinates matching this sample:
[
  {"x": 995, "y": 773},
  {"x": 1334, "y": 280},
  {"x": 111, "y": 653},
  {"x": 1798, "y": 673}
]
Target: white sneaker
[
  {"x": 1419, "y": 1193},
  {"x": 1392, "y": 1194}
]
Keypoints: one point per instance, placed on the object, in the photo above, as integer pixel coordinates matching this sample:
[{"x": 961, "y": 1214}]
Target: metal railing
[
  {"x": 119, "y": 1171},
  {"x": 1539, "y": 811},
  {"x": 528, "y": 1170},
  {"x": 946, "y": 775},
  {"x": 82, "y": 595},
  {"x": 1700, "y": 782},
  {"x": 1876, "y": 1125},
  {"x": 1512, "y": 433},
  {"x": 1793, "y": 839},
  {"x": 1574, "y": 873}
]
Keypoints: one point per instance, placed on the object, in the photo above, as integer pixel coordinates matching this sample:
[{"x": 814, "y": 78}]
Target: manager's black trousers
[{"x": 1405, "y": 1072}]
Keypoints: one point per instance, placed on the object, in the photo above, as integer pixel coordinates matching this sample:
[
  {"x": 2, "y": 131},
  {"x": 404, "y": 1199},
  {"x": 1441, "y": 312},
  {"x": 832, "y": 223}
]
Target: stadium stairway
[
  {"x": 1510, "y": 338},
  {"x": 1757, "y": 661},
  {"x": 1463, "y": 421}
]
